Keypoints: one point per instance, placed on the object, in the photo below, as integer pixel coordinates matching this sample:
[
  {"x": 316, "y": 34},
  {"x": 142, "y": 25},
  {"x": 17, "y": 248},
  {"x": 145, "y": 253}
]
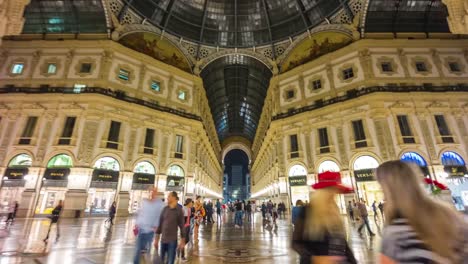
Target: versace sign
[
  {"x": 364, "y": 175},
  {"x": 298, "y": 181}
]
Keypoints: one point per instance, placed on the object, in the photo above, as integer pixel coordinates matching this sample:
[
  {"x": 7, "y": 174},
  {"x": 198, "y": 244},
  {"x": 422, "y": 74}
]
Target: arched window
[
  {"x": 365, "y": 162},
  {"x": 328, "y": 165},
  {"x": 21, "y": 160},
  {"x": 176, "y": 170},
  {"x": 413, "y": 157},
  {"x": 60, "y": 161},
  {"x": 451, "y": 158},
  {"x": 145, "y": 167},
  {"x": 297, "y": 170},
  {"x": 107, "y": 163}
]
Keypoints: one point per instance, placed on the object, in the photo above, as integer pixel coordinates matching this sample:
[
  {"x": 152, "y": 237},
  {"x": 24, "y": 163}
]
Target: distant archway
[{"x": 236, "y": 179}]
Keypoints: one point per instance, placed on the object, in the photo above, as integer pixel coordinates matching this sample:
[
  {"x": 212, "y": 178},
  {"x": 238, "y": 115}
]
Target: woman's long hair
[
  {"x": 323, "y": 215},
  {"x": 435, "y": 223}
]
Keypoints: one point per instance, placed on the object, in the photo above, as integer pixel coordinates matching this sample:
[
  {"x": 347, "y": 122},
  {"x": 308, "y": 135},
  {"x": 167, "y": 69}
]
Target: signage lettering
[
  {"x": 16, "y": 173},
  {"x": 143, "y": 178},
  {"x": 57, "y": 174},
  {"x": 364, "y": 175},
  {"x": 105, "y": 176},
  {"x": 455, "y": 171},
  {"x": 175, "y": 181},
  {"x": 298, "y": 181}
]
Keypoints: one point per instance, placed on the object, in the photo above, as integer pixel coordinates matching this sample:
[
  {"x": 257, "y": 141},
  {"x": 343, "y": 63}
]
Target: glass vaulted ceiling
[
  {"x": 236, "y": 86},
  {"x": 236, "y": 23}
]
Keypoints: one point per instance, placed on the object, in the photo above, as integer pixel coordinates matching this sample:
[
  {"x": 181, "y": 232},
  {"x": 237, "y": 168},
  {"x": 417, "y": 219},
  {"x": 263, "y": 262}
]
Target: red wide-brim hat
[{"x": 331, "y": 179}]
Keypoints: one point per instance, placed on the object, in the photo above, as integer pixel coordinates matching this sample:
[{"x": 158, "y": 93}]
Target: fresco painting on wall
[
  {"x": 310, "y": 48},
  {"x": 159, "y": 48}
]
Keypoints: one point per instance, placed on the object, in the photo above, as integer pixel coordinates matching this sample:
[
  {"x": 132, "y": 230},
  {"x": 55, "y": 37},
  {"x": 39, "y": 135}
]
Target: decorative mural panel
[
  {"x": 159, "y": 48},
  {"x": 311, "y": 48}
]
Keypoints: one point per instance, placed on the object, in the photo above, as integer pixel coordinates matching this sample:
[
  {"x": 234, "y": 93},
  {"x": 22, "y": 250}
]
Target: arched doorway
[
  {"x": 103, "y": 186},
  {"x": 415, "y": 158},
  {"x": 297, "y": 175},
  {"x": 14, "y": 180},
  {"x": 144, "y": 175},
  {"x": 236, "y": 180},
  {"x": 54, "y": 183},
  {"x": 456, "y": 177},
  {"x": 367, "y": 186},
  {"x": 175, "y": 181}
]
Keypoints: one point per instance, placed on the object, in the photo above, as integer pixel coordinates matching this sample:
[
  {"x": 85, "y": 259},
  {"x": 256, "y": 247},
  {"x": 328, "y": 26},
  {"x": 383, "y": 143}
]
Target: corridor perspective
[{"x": 127, "y": 127}]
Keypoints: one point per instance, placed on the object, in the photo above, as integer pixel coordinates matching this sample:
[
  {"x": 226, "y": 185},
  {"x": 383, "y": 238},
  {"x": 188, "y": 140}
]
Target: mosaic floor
[{"x": 90, "y": 241}]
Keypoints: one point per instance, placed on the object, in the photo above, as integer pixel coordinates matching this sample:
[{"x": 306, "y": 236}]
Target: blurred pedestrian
[
  {"x": 319, "y": 234},
  {"x": 419, "y": 228},
  {"x": 264, "y": 209},
  {"x": 199, "y": 213},
  {"x": 172, "y": 219},
  {"x": 147, "y": 221},
  {"x": 365, "y": 218},
  {"x": 350, "y": 210},
  {"x": 12, "y": 210},
  {"x": 374, "y": 209},
  {"x": 112, "y": 211},
  {"x": 54, "y": 219},
  {"x": 218, "y": 210},
  {"x": 187, "y": 216},
  {"x": 297, "y": 211},
  {"x": 381, "y": 209}
]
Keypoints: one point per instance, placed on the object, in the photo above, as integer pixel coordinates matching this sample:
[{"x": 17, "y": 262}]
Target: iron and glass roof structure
[
  {"x": 236, "y": 87},
  {"x": 236, "y": 23}
]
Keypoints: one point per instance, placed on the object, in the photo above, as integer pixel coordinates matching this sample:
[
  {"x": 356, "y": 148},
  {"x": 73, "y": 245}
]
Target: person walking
[
  {"x": 365, "y": 218},
  {"x": 112, "y": 211},
  {"x": 381, "y": 209},
  {"x": 209, "y": 212},
  {"x": 254, "y": 210},
  {"x": 248, "y": 211},
  {"x": 172, "y": 219},
  {"x": 374, "y": 209},
  {"x": 319, "y": 234},
  {"x": 419, "y": 228},
  {"x": 274, "y": 211},
  {"x": 218, "y": 210},
  {"x": 238, "y": 215},
  {"x": 54, "y": 219},
  {"x": 147, "y": 221},
  {"x": 350, "y": 210},
  {"x": 297, "y": 211},
  {"x": 12, "y": 210},
  {"x": 187, "y": 216},
  {"x": 199, "y": 213},
  {"x": 264, "y": 209}
]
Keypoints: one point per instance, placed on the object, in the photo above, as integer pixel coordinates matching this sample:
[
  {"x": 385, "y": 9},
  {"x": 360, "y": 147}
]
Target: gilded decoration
[
  {"x": 311, "y": 48},
  {"x": 157, "y": 47}
]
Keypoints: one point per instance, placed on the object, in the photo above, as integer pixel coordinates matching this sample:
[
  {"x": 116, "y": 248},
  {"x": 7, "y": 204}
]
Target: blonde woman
[
  {"x": 419, "y": 228},
  {"x": 319, "y": 233}
]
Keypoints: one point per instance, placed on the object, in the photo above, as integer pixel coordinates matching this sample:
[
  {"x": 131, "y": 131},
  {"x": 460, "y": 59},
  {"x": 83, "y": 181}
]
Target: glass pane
[
  {"x": 107, "y": 163},
  {"x": 22, "y": 160},
  {"x": 61, "y": 160}
]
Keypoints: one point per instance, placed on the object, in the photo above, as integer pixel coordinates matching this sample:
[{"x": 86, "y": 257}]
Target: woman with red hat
[{"x": 319, "y": 233}]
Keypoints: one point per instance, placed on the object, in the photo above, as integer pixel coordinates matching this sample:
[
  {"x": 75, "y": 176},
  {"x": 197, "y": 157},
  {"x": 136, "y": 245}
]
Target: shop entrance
[
  {"x": 298, "y": 188},
  {"x": 99, "y": 201},
  {"x": 367, "y": 187},
  {"x": 13, "y": 181},
  {"x": 136, "y": 198},
  {"x": 48, "y": 199},
  {"x": 142, "y": 185},
  {"x": 104, "y": 183},
  {"x": 9, "y": 195}
]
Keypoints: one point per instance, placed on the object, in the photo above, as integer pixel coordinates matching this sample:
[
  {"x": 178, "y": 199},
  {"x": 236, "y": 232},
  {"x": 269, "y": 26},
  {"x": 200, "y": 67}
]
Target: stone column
[{"x": 75, "y": 203}]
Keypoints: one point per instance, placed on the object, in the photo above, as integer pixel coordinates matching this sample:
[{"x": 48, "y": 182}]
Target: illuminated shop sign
[
  {"x": 364, "y": 175},
  {"x": 143, "y": 178},
  {"x": 57, "y": 174},
  {"x": 16, "y": 173},
  {"x": 455, "y": 171},
  {"x": 105, "y": 176},
  {"x": 298, "y": 181}
]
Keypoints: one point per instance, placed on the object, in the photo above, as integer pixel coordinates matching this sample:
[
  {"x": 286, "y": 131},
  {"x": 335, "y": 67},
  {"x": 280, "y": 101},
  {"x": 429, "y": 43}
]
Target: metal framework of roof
[{"x": 236, "y": 87}]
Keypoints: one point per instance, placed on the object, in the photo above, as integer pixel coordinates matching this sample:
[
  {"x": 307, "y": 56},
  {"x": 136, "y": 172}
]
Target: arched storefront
[
  {"x": 366, "y": 185},
  {"x": 54, "y": 183},
  {"x": 341, "y": 199},
  {"x": 103, "y": 185},
  {"x": 14, "y": 180},
  {"x": 175, "y": 180},
  {"x": 456, "y": 177},
  {"x": 298, "y": 183},
  {"x": 143, "y": 180},
  {"x": 415, "y": 158}
]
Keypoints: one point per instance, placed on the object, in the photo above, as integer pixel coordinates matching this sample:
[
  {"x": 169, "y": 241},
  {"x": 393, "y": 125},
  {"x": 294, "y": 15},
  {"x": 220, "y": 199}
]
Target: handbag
[{"x": 135, "y": 230}]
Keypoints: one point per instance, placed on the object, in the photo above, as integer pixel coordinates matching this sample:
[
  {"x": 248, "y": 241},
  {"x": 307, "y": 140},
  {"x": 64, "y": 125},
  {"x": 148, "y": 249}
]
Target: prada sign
[
  {"x": 57, "y": 174},
  {"x": 16, "y": 173},
  {"x": 298, "y": 181},
  {"x": 364, "y": 175},
  {"x": 105, "y": 176},
  {"x": 143, "y": 178},
  {"x": 455, "y": 171}
]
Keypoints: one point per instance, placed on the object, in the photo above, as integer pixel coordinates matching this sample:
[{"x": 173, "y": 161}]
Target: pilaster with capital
[
  {"x": 404, "y": 61},
  {"x": 437, "y": 62},
  {"x": 331, "y": 79}
]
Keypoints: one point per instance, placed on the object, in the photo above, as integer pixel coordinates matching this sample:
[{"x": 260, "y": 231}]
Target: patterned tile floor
[{"x": 90, "y": 241}]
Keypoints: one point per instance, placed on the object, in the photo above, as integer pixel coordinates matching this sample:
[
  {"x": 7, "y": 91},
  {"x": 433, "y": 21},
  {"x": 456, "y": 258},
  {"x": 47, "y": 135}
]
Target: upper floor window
[
  {"x": 317, "y": 84},
  {"x": 405, "y": 129},
  {"x": 294, "y": 146},
  {"x": 85, "y": 67},
  {"x": 149, "y": 141},
  {"x": 359, "y": 134},
  {"x": 443, "y": 128},
  {"x": 182, "y": 95},
  {"x": 17, "y": 68},
  {"x": 124, "y": 74},
  {"x": 323, "y": 140},
  {"x": 28, "y": 130},
  {"x": 179, "y": 146},
  {"x": 421, "y": 66},
  {"x": 67, "y": 132},
  {"x": 454, "y": 66},
  {"x": 386, "y": 67},
  {"x": 51, "y": 68},
  {"x": 348, "y": 73},
  {"x": 113, "y": 136},
  {"x": 290, "y": 94},
  {"x": 155, "y": 86}
]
